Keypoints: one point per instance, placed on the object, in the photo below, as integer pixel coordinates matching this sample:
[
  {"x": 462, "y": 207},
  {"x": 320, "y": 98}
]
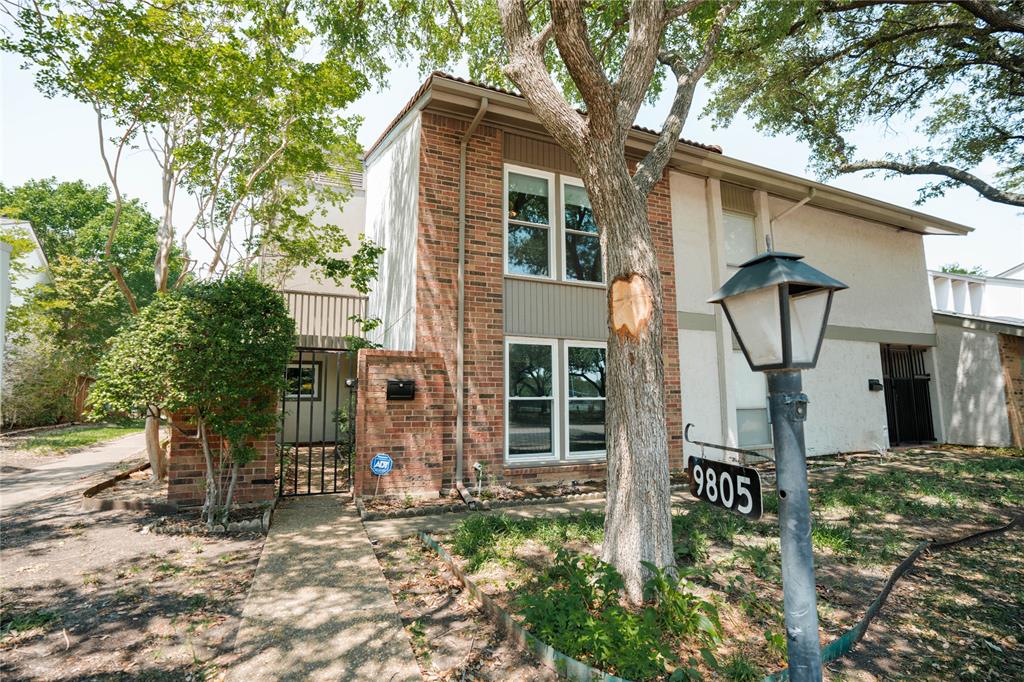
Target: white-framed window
[
  {"x": 302, "y": 380},
  {"x": 740, "y": 238},
  {"x": 751, "y": 392},
  {"x": 529, "y": 222},
  {"x": 585, "y": 367},
  {"x": 550, "y": 232},
  {"x": 531, "y": 406},
  {"x": 581, "y": 245},
  {"x": 554, "y": 400}
]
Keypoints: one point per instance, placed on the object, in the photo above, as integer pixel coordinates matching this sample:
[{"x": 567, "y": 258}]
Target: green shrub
[
  {"x": 492, "y": 537},
  {"x": 739, "y": 668},
  {"x": 575, "y": 607}
]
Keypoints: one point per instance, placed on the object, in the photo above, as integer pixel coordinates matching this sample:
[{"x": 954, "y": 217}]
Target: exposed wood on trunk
[{"x": 632, "y": 304}]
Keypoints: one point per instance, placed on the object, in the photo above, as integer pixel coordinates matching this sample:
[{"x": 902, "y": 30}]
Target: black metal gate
[
  {"x": 316, "y": 434},
  {"x": 908, "y": 404}
]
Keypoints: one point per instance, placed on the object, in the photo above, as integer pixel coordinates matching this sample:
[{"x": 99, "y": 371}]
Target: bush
[
  {"x": 38, "y": 387},
  {"x": 218, "y": 349},
  {"x": 575, "y": 607}
]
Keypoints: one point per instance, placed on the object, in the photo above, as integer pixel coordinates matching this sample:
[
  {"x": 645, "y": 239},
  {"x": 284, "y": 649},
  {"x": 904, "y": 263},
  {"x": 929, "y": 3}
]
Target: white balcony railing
[{"x": 324, "y": 320}]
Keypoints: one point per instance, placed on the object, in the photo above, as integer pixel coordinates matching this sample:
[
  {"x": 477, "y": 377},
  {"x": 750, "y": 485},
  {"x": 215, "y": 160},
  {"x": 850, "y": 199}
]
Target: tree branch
[
  {"x": 577, "y": 54},
  {"x": 646, "y": 23},
  {"x": 527, "y": 70},
  {"x": 994, "y": 16},
  {"x": 963, "y": 177},
  {"x": 649, "y": 170}
]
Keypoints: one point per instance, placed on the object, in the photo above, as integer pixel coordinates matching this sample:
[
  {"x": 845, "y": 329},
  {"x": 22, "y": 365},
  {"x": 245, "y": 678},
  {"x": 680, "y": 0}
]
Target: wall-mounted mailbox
[
  {"x": 874, "y": 385},
  {"x": 401, "y": 389}
]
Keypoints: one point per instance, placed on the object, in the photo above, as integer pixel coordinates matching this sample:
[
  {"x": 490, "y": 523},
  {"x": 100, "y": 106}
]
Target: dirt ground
[
  {"x": 98, "y": 596},
  {"x": 959, "y": 614}
]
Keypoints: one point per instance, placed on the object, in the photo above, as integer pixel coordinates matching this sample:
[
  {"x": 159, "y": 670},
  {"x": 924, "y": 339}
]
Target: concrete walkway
[
  {"x": 319, "y": 607},
  {"x": 50, "y": 479}
]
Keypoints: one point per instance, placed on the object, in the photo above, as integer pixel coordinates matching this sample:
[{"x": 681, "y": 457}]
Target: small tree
[{"x": 216, "y": 350}]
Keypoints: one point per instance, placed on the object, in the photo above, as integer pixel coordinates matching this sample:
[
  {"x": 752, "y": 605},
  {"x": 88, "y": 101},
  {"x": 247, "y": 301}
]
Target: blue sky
[{"x": 42, "y": 138}]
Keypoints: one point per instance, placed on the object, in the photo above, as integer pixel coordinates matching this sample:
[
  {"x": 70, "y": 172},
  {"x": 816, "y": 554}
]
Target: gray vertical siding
[
  {"x": 736, "y": 198},
  {"x": 530, "y": 152},
  {"x": 553, "y": 310}
]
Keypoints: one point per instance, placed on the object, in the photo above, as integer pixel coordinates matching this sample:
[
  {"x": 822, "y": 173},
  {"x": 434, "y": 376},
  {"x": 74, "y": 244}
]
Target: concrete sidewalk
[
  {"x": 56, "y": 477},
  {"x": 319, "y": 607}
]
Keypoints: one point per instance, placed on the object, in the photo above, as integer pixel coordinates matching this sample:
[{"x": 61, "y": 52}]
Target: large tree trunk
[{"x": 638, "y": 521}]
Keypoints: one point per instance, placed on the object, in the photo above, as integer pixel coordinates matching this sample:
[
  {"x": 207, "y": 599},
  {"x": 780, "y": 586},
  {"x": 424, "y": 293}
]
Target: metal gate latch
[{"x": 796, "y": 404}]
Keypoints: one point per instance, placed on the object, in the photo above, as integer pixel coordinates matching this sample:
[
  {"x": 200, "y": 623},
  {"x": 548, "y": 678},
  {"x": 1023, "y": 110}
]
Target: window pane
[
  {"x": 578, "y": 214},
  {"x": 752, "y": 427},
  {"x": 529, "y": 427},
  {"x": 586, "y": 372},
  {"x": 582, "y": 257},
  {"x": 529, "y": 370},
  {"x": 527, "y": 198},
  {"x": 586, "y": 426},
  {"x": 740, "y": 239},
  {"x": 527, "y": 250}
]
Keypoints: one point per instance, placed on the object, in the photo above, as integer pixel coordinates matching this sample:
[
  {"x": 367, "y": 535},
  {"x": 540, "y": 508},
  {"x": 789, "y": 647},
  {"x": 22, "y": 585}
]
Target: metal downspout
[{"x": 460, "y": 388}]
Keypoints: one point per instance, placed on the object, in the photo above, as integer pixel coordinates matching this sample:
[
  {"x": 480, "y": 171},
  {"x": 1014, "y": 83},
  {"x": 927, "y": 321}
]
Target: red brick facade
[
  {"x": 436, "y": 296},
  {"x": 186, "y": 468},
  {"x": 412, "y": 432}
]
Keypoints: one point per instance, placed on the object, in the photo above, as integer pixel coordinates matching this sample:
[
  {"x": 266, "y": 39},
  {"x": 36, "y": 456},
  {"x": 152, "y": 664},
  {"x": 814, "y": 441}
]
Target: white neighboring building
[
  {"x": 13, "y": 286},
  {"x": 979, "y": 321}
]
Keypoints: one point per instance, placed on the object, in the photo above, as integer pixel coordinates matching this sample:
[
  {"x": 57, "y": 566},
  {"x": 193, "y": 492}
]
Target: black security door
[{"x": 907, "y": 397}]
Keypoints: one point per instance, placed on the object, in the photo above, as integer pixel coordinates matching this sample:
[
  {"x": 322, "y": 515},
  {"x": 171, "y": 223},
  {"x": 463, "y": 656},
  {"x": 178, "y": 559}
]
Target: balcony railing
[{"x": 324, "y": 320}]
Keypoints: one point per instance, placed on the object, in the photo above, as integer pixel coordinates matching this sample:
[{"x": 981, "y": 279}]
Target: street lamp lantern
[{"x": 778, "y": 307}]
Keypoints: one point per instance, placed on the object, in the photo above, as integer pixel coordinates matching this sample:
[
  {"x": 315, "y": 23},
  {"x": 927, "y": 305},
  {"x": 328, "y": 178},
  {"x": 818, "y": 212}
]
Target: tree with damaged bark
[
  {"x": 215, "y": 351},
  {"x": 607, "y": 58},
  {"x": 227, "y": 100},
  {"x": 843, "y": 65}
]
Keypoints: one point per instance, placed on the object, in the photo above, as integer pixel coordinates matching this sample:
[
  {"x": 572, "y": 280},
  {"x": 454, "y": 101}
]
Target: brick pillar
[
  {"x": 186, "y": 469},
  {"x": 412, "y": 432}
]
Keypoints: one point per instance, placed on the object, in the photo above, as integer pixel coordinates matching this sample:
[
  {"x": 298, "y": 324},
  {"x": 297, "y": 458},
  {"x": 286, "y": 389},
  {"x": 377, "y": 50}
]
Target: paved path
[
  {"x": 45, "y": 480},
  {"x": 319, "y": 607}
]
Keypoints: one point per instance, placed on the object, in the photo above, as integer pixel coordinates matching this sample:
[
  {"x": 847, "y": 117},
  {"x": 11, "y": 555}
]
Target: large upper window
[
  {"x": 740, "y": 238},
  {"x": 529, "y": 225},
  {"x": 555, "y": 400},
  {"x": 582, "y": 244},
  {"x": 542, "y": 241}
]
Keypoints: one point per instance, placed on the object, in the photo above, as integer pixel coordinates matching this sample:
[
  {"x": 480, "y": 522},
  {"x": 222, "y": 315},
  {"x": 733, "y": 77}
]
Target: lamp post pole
[{"x": 788, "y": 407}]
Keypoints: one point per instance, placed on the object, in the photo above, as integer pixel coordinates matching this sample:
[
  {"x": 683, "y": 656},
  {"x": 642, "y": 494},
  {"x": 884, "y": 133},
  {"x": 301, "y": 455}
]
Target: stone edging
[
  {"x": 365, "y": 515},
  {"x": 565, "y": 666},
  {"x": 91, "y": 504},
  {"x": 483, "y": 505}
]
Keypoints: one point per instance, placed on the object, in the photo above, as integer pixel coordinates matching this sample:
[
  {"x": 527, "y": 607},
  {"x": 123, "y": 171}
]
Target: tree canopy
[{"x": 952, "y": 71}]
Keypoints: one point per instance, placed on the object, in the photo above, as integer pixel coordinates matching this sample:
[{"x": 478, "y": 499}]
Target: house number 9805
[{"x": 731, "y": 487}]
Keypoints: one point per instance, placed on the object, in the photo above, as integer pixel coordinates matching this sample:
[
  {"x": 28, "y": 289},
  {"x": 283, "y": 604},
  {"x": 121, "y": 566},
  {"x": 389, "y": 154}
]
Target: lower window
[{"x": 555, "y": 400}]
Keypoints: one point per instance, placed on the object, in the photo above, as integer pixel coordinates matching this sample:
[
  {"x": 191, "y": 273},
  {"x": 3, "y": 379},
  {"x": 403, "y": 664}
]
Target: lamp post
[{"x": 778, "y": 308}]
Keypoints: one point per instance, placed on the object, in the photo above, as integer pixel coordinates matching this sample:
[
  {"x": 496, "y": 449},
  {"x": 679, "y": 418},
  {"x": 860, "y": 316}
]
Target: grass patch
[
  {"x": 55, "y": 442},
  {"x": 494, "y": 537},
  {"x": 15, "y": 623}
]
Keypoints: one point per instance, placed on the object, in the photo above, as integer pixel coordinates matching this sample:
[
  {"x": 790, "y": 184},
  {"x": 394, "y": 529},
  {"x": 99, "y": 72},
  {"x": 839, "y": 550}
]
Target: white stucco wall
[
  {"x": 843, "y": 415},
  {"x": 392, "y": 191},
  {"x": 889, "y": 292},
  {"x": 883, "y": 266},
  {"x": 700, "y": 389},
  {"x": 972, "y": 387},
  {"x": 351, "y": 217}
]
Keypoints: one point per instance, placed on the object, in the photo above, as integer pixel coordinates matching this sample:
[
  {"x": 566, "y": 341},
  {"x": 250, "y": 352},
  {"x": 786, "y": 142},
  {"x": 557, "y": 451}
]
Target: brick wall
[
  {"x": 413, "y": 432},
  {"x": 186, "y": 468},
  {"x": 1011, "y": 353},
  {"x": 436, "y": 296}
]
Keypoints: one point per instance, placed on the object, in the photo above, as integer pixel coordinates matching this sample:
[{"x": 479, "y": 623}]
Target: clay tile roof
[{"x": 447, "y": 76}]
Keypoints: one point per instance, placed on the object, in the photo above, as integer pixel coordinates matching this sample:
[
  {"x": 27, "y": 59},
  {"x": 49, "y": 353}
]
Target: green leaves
[
  {"x": 576, "y": 607},
  {"x": 216, "y": 348}
]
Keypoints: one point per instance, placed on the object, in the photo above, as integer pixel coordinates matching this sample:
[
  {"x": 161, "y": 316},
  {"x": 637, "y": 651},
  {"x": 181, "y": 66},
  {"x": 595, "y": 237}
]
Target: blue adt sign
[{"x": 381, "y": 464}]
